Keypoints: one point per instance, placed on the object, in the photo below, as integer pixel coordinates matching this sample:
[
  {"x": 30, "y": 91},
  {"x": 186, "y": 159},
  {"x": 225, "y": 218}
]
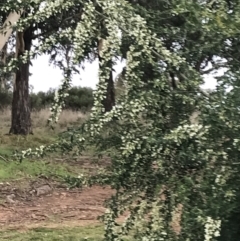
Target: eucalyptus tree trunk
[
  {"x": 6, "y": 29},
  {"x": 21, "y": 114},
  {"x": 3, "y": 60}
]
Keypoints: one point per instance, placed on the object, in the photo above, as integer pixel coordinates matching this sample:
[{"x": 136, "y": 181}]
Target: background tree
[
  {"x": 21, "y": 119},
  {"x": 5, "y": 79},
  {"x": 7, "y": 21},
  {"x": 21, "y": 114}
]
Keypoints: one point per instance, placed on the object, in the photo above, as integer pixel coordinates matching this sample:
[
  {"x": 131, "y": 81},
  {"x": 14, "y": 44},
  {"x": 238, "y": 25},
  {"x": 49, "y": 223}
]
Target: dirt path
[{"x": 59, "y": 207}]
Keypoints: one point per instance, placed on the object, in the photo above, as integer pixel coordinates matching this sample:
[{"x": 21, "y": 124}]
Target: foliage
[
  {"x": 79, "y": 99},
  {"x": 162, "y": 165}
]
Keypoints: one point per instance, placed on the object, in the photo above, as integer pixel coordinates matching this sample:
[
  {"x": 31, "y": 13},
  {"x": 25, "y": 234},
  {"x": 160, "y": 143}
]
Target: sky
[{"x": 45, "y": 76}]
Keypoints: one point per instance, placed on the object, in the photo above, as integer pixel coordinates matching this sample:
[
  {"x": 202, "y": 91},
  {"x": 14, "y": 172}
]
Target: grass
[
  {"x": 84, "y": 233},
  {"x": 22, "y": 173},
  {"x": 90, "y": 233},
  {"x": 30, "y": 169},
  {"x": 43, "y": 135}
]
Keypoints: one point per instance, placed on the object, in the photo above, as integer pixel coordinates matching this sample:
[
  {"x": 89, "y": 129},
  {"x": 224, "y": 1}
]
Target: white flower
[{"x": 212, "y": 229}]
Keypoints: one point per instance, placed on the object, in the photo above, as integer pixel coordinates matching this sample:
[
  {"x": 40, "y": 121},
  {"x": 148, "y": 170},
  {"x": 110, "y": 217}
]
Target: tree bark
[
  {"x": 3, "y": 62},
  {"x": 21, "y": 114},
  {"x": 7, "y": 31},
  {"x": 109, "y": 100}
]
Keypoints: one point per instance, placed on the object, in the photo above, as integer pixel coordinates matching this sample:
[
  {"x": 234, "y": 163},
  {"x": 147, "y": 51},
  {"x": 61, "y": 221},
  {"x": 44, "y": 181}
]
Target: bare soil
[
  {"x": 26, "y": 204},
  {"x": 21, "y": 208}
]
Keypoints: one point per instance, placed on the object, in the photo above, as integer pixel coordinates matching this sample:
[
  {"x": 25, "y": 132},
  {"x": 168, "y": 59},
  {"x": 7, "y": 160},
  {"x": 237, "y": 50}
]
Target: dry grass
[
  {"x": 43, "y": 134},
  {"x": 5, "y": 118},
  {"x": 39, "y": 119},
  {"x": 67, "y": 117}
]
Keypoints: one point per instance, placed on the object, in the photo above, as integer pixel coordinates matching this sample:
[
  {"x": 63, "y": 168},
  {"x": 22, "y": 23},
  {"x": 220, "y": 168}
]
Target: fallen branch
[{"x": 4, "y": 158}]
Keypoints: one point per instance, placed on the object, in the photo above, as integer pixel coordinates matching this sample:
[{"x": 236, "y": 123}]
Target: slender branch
[
  {"x": 56, "y": 27},
  {"x": 3, "y": 158}
]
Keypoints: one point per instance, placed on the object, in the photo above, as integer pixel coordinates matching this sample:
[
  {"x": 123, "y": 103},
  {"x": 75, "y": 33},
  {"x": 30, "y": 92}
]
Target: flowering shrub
[{"x": 177, "y": 180}]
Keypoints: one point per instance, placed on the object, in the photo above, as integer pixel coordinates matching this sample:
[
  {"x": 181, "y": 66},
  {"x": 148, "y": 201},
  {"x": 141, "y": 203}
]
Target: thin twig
[{"x": 4, "y": 158}]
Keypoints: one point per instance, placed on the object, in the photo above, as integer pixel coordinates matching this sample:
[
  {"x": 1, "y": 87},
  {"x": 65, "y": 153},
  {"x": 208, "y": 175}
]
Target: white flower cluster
[
  {"x": 85, "y": 30},
  {"x": 38, "y": 152},
  {"x": 212, "y": 229},
  {"x": 221, "y": 178},
  {"x": 187, "y": 131},
  {"x": 59, "y": 98},
  {"x": 80, "y": 176},
  {"x": 190, "y": 128},
  {"x": 26, "y": 152},
  {"x": 218, "y": 179}
]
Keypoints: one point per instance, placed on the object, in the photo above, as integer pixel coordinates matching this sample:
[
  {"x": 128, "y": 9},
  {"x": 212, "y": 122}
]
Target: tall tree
[
  {"x": 21, "y": 119},
  {"x": 21, "y": 113},
  {"x": 3, "y": 58},
  {"x": 6, "y": 28},
  {"x": 5, "y": 33}
]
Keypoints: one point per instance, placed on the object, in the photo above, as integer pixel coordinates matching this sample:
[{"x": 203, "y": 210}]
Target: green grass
[
  {"x": 90, "y": 233},
  {"x": 12, "y": 142},
  {"x": 13, "y": 170},
  {"x": 21, "y": 173}
]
